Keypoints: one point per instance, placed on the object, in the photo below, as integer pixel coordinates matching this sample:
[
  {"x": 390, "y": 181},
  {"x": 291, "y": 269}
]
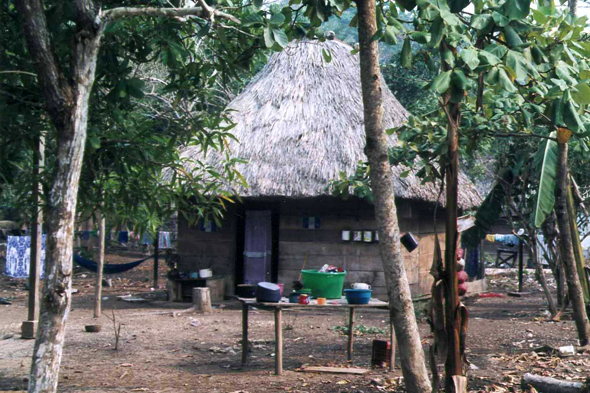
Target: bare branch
[
  {"x": 124, "y": 12},
  {"x": 19, "y": 72}
]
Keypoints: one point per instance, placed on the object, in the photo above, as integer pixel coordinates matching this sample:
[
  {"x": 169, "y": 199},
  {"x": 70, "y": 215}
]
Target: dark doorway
[
  {"x": 257, "y": 243},
  {"x": 257, "y": 246}
]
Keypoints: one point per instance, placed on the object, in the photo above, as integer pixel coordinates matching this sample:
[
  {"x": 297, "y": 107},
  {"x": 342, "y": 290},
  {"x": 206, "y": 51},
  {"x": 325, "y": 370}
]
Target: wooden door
[{"x": 257, "y": 246}]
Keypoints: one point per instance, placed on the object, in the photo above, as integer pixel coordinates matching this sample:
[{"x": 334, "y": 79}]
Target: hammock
[{"x": 108, "y": 268}]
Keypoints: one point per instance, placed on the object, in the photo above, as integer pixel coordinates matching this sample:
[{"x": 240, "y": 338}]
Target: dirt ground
[{"x": 163, "y": 350}]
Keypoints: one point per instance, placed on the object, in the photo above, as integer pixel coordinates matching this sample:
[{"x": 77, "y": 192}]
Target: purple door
[{"x": 257, "y": 246}]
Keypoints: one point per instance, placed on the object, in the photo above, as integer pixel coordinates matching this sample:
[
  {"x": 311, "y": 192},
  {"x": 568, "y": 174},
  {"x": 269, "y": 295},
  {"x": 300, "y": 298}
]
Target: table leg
[
  {"x": 244, "y": 333},
  {"x": 179, "y": 291},
  {"x": 393, "y": 345},
  {"x": 351, "y": 333},
  {"x": 278, "y": 342}
]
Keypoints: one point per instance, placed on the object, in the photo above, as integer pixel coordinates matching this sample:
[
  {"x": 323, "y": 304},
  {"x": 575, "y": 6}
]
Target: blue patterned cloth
[{"x": 18, "y": 256}]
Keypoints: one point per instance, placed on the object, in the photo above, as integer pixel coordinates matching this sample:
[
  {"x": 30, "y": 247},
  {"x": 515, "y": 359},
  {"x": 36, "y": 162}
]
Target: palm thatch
[{"x": 300, "y": 123}]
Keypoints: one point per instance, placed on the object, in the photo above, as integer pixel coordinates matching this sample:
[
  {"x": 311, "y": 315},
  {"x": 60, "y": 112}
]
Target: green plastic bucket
[{"x": 328, "y": 285}]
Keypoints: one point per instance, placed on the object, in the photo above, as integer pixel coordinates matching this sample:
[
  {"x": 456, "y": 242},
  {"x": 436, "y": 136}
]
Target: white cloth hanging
[
  {"x": 164, "y": 240},
  {"x": 18, "y": 256}
]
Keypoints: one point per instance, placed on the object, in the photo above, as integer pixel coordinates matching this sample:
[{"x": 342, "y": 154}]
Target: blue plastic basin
[{"x": 358, "y": 296}]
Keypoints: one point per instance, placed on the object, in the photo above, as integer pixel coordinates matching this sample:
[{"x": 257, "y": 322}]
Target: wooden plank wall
[
  {"x": 320, "y": 246},
  {"x": 361, "y": 260},
  {"x": 216, "y": 250}
]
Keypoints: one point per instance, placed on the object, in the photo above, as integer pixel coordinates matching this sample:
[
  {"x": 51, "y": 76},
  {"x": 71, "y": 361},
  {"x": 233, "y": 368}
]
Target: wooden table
[{"x": 277, "y": 309}]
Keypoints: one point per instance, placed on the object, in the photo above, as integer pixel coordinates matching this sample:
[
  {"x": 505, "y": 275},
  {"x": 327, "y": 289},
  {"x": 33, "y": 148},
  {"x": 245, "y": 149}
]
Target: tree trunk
[
  {"x": 454, "y": 361},
  {"x": 67, "y": 106},
  {"x": 533, "y": 253},
  {"x": 400, "y": 299},
  {"x": 577, "y": 244},
  {"x": 566, "y": 246},
  {"x": 101, "y": 250},
  {"x": 573, "y": 5}
]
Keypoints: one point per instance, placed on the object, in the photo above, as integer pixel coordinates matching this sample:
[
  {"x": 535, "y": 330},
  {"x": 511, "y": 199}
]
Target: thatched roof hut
[{"x": 300, "y": 123}]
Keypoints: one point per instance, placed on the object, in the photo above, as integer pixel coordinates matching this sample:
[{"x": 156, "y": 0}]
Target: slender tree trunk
[
  {"x": 400, "y": 300},
  {"x": 567, "y": 252},
  {"x": 533, "y": 253},
  {"x": 454, "y": 361},
  {"x": 101, "y": 250},
  {"x": 577, "y": 244},
  {"x": 573, "y": 5}
]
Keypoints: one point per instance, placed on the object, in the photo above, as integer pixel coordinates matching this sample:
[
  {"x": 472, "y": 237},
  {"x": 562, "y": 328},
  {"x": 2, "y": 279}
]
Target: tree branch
[
  {"x": 57, "y": 91},
  {"x": 124, "y": 12}
]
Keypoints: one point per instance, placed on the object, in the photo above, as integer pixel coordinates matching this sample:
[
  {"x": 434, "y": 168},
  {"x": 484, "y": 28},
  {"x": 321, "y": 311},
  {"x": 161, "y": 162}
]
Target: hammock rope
[{"x": 108, "y": 268}]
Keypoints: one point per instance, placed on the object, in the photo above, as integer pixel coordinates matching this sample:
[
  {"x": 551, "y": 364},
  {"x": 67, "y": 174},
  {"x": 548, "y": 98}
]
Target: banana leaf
[{"x": 546, "y": 161}]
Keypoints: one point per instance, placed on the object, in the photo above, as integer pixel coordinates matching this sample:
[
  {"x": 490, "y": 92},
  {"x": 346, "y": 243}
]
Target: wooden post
[
  {"x": 482, "y": 262},
  {"x": 29, "y": 327},
  {"x": 520, "y": 265},
  {"x": 202, "y": 300},
  {"x": 244, "y": 333},
  {"x": 156, "y": 256},
  {"x": 278, "y": 342},
  {"x": 350, "y": 333},
  {"x": 392, "y": 346},
  {"x": 100, "y": 267}
]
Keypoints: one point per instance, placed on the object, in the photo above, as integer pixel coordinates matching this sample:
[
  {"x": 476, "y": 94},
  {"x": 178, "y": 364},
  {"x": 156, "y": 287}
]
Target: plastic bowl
[{"x": 358, "y": 296}]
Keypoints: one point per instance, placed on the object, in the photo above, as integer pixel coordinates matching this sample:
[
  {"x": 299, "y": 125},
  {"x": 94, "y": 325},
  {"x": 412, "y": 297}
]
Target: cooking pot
[{"x": 267, "y": 292}]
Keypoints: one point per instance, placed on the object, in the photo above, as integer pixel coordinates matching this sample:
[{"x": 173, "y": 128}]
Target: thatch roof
[{"x": 300, "y": 122}]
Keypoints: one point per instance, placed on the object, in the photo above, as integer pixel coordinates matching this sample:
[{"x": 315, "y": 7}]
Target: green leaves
[
  {"x": 505, "y": 81},
  {"x": 327, "y": 55},
  {"x": 517, "y": 9},
  {"x": 408, "y": 5},
  {"x": 581, "y": 94},
  {"x": 512, "y": 37},
  {"x": 460, "y": 80},
  {"x": 483, "y": 23},
  {"x": 517, "y": 64},
  {"x": 570, "y": 114},
  {"x": 470, "y": 58},
  {"x": 441, "y": 83},
  {"x": 436, "y": 32},
  {"x": 546, "y": 160},
  {"x": 280, "y": 37},
  {"x": 94, "y": 142},
  {"x": 268, "y": 38},
  {"x": 253, "y": 19},
  {"x": 457, "y": 5},
  {"x": 406, "y": 54},
  {"x": 390, "y": 35}
]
